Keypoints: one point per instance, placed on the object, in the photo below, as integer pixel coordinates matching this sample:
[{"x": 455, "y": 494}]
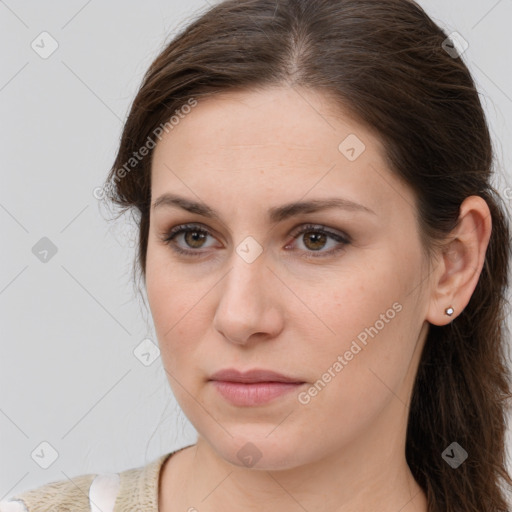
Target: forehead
[
  {"x": 279, "y": 117},
  {"x": 254, "y": 142}
]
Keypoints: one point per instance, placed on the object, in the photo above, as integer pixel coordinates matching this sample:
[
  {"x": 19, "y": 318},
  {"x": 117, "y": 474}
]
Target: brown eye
[
  {"x": 314, "y": 241},
  {"x": 315, "y": 238},
  {"x": 194, "y": 238}
]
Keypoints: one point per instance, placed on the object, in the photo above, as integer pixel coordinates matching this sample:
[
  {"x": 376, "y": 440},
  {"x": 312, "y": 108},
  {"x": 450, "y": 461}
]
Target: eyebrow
[{"x": 275, "y": 214}]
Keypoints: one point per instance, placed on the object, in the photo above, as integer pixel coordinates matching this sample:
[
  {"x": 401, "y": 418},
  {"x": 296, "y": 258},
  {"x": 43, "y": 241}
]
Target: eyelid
[
  {"x": 198, "y": 226},
  {"x": 320, "y": 228}
]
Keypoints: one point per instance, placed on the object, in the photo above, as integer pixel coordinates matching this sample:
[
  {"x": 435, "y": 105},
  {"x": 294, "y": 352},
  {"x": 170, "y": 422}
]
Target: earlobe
[{"x": 461, "y": 262}]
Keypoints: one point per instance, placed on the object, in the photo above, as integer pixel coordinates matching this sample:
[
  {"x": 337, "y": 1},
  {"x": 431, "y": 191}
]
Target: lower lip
[{"x": 256, "y": 393}]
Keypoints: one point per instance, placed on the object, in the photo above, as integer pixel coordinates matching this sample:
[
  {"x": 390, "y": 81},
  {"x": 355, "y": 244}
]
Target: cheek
[
  {"x": 364, "y": 317},
  {"x": 167, "y": 297},
  {"x": 342, "y": 304},
  {"x": 177, "y": 299}
]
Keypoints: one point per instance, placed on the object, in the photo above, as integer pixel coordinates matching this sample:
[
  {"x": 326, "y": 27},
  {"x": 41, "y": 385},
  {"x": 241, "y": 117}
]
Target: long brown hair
[{"x": 387, "y": 62}]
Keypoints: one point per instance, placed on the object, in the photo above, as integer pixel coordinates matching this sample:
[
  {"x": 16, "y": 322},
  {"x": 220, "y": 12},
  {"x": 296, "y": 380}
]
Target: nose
[{"x": 249, "y": 306}]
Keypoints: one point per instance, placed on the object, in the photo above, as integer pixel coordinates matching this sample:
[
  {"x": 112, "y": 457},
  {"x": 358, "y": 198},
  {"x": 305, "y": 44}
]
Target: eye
[
  {"x": 314, "y": 238},
  {"x": 317, "y": 238},
  {"x": 194, "y": 237}
]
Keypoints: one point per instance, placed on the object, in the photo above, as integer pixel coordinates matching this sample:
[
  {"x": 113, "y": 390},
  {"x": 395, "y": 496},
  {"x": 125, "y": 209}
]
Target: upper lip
[{"x": 255, "y": 375}]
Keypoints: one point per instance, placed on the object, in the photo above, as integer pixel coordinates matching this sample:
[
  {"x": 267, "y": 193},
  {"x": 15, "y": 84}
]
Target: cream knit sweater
[{"x": 132, "y": 490}]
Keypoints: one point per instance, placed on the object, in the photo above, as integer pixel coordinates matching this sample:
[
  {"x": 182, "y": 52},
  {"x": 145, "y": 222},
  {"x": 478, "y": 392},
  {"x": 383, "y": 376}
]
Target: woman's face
[{"x": 332, "y": 297}]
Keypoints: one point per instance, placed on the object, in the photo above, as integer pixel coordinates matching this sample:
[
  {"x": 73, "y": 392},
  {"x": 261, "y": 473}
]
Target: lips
[
  {"x": 254, "y": 387},
  {"x": 252, "y": 376}
]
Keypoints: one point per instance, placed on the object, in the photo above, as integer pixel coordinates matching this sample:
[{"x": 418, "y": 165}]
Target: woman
[{"x": 326, "y": 263}]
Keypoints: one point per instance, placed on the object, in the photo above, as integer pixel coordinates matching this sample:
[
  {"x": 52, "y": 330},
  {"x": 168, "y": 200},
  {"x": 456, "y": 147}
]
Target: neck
[{"x": 352, "y": 479}]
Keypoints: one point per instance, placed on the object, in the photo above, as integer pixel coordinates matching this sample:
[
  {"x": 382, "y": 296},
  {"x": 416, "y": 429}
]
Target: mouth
[{"x": 254, "y": 387}]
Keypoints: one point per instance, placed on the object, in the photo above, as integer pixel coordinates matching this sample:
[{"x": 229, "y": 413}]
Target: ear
[{"x": 461, "y": 262}]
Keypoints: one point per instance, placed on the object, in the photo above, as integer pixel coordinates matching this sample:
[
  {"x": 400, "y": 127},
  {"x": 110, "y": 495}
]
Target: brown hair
[{"x": 384, "y": 61}]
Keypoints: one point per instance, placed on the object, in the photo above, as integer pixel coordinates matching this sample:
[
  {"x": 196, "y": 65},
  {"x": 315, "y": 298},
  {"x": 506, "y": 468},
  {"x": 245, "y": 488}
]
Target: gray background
[{"x": 69, "y": 326}]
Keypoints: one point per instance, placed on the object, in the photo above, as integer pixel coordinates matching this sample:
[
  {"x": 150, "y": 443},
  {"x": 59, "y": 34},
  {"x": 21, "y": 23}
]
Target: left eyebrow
[
  {"x": 280, "y": 213},
  {"x": 275, "y": 214}
]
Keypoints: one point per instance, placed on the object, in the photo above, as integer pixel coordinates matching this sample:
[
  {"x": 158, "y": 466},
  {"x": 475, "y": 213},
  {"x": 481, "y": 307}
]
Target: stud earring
[{"x": 449, "y": 311}]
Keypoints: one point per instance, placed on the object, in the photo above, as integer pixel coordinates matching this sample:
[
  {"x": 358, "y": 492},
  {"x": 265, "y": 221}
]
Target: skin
[{"x": 242, "y": 153}]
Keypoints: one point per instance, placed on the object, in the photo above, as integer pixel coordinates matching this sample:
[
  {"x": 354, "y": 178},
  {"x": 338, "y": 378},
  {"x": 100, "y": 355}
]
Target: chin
[{"x": 253, "y": 447}]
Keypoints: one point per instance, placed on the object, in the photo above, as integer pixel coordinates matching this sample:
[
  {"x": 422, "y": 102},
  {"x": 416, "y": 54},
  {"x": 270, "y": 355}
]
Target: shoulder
[
  {"x": 84, "y": 493},
  {"x": 94, "y": 492}
]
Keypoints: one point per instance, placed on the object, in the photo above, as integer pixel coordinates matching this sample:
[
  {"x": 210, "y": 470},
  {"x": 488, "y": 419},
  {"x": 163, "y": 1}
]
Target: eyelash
[{"x": 184, "y": 228}]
